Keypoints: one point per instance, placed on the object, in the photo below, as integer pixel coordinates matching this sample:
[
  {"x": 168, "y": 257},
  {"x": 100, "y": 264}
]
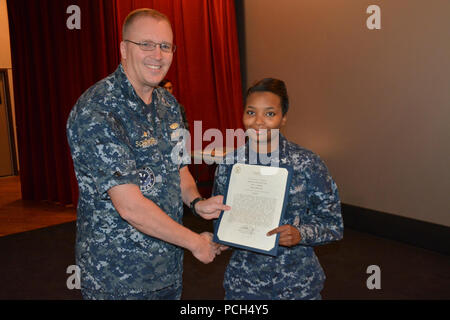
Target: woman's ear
[{"x": 283, "y": 120}]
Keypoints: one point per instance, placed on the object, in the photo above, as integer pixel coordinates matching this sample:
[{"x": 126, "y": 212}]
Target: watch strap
[{"x": 193, "y": 203}]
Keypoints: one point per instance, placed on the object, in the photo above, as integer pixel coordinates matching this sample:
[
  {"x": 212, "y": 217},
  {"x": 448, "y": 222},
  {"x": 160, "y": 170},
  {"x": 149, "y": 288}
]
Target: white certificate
[{"x": 257, "y": 196}]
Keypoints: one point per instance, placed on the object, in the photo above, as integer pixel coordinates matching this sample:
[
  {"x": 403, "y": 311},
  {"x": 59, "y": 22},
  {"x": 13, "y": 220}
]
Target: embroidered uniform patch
[{"x": 147, "y": 179}]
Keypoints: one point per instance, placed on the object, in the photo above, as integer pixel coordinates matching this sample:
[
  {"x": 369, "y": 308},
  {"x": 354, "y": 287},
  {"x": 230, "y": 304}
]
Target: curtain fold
[{"x": 53, "y": 66}]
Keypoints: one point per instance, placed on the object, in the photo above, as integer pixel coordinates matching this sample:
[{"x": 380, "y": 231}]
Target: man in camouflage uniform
[{"x": 129, "y": 235}]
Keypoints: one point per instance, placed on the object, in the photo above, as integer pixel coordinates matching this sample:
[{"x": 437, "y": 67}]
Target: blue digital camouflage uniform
[
  {"x": 115, "y": 138},
  {"x": 314, "y": 208}
]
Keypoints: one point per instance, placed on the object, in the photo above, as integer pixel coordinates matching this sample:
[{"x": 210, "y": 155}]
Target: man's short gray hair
[{"x": 143, "y": 12}]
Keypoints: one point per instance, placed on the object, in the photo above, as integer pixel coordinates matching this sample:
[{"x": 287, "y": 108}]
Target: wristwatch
[{"x": 193, "y": 203}]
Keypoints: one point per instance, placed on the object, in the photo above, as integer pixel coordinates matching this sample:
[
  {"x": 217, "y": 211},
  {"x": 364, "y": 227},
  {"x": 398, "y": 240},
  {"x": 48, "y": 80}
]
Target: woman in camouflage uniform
[{"x": 312, "y": 216}]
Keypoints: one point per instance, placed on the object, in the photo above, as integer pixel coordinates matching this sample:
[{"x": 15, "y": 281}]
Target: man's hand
[
  {"x": 289, "y": 235},
  {"x": 206, "y": 249},
  {"x": 210, "y": 208},
  {"x": 220, "y": 248}
]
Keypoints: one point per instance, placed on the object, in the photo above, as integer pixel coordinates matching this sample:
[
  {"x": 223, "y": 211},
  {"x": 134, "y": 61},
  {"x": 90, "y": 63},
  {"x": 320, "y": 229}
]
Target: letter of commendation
[{"x": 257, "y": 196}]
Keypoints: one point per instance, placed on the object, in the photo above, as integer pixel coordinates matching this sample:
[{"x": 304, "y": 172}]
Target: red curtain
[
  {"x": 206, "y": 68},
  {"x": 53, "y": 66}
]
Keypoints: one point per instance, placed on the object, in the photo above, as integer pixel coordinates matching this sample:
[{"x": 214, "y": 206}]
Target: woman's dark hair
[{"x": 275, "y": 86}]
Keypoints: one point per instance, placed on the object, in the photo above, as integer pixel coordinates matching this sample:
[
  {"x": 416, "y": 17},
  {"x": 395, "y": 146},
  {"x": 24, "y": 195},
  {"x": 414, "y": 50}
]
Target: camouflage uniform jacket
[
  {"x": 115, "y": 138},
  {"x": 313, "y": 208}
]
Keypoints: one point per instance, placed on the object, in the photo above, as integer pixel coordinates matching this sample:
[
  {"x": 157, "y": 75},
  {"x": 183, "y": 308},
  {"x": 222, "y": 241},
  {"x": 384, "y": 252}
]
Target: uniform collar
[
  {"x": 242, "y": 154},
  {"x": 281, "y": 144},
  {"x": 133, "y": 100}
]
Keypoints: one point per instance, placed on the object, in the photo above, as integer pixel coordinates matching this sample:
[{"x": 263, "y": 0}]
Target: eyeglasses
[{"x": 150, "y": 46}]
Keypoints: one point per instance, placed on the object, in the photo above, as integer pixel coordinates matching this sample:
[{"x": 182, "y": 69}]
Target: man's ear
[{"x": 123, "y": 50}]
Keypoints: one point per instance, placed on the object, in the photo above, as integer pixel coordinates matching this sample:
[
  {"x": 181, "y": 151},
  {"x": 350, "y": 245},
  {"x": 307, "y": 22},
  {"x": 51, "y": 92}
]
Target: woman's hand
[{"x": 289, "y": 235}]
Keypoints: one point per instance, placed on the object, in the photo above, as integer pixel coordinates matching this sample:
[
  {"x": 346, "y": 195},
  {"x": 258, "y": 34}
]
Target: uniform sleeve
[
  {"x": 322, "y": 222},
  {"x": 101, "y": 148},
  {"x": 220, "y": 185}
]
